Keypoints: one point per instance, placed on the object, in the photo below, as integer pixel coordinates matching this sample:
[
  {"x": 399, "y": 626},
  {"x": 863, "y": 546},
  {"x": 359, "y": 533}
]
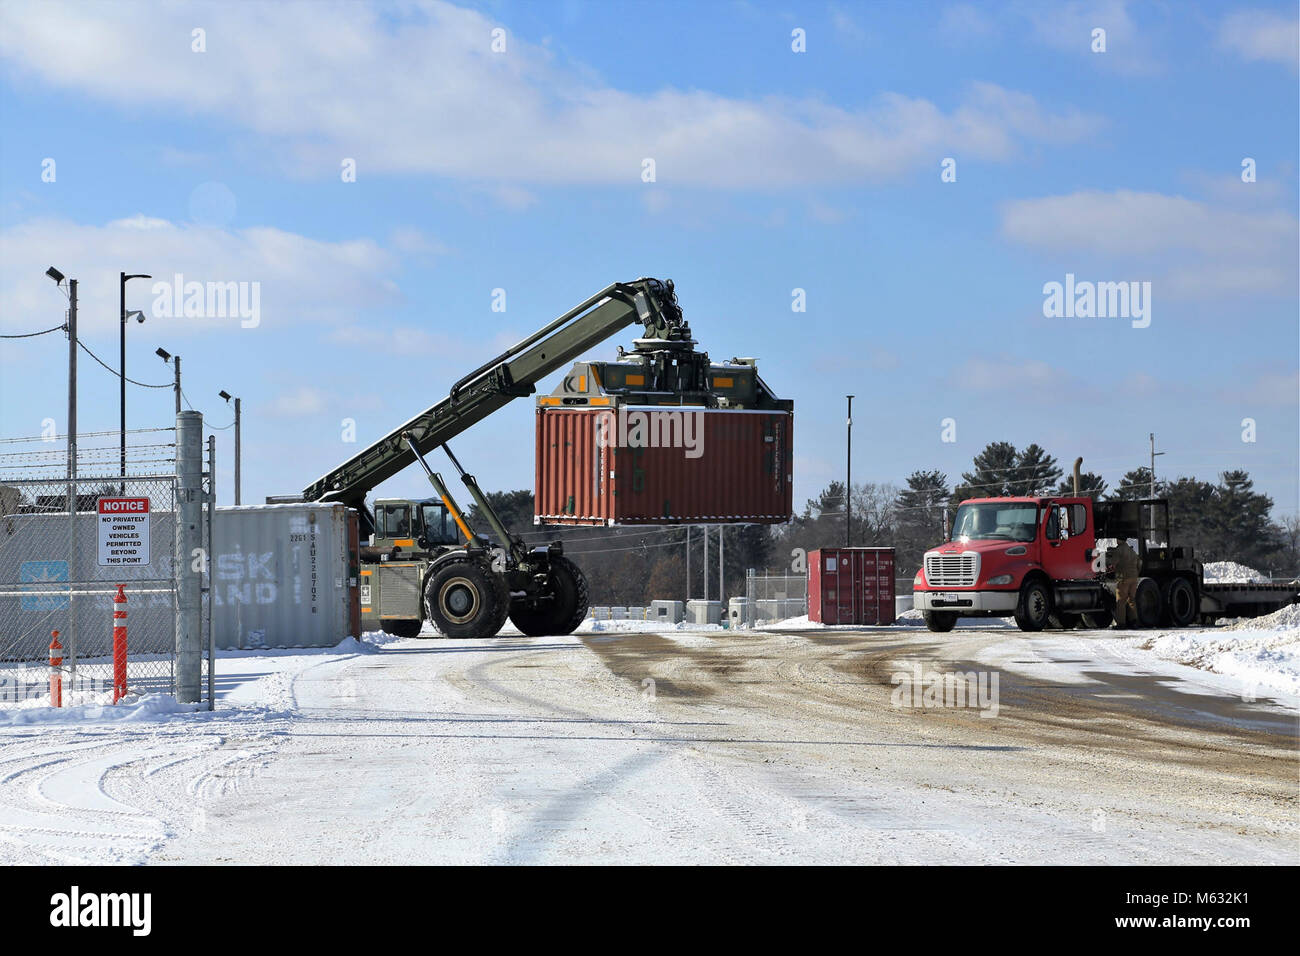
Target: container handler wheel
[
  {"x": 563, "y": 611},
  {"x": 940, "y": 621},
  {"x": 1180, "y": 605},
  {"x": 1034, "y": 607},
  {"x": 465, "y": 599},
  {"x": 1064, "y": 620}
]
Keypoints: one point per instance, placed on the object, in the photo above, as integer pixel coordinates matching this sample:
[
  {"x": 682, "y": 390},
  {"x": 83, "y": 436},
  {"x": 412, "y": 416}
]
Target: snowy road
[{"x": 674, "y": 747}]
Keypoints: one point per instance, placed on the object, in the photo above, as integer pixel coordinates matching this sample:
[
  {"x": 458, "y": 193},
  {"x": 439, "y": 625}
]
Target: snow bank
[
  {"x": 1230, "y": 572},
  {"x": 83, "y": 707},
  {"x": 1262, "y": 652}
]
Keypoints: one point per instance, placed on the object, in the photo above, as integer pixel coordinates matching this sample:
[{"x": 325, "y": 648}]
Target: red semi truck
[{"x": 1036, "y": 559}]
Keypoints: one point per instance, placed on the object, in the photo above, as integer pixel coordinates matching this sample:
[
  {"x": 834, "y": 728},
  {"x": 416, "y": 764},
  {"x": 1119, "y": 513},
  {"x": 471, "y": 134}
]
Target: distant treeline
[{"x": 1222, "y": 520}]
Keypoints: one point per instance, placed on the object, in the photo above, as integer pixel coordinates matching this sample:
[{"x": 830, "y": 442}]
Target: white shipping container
[{"x": 282, "y": 576}]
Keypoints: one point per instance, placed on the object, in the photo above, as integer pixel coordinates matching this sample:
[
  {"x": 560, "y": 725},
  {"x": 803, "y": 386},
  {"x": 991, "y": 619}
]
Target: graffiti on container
[
  {"x": 651, "y": 428},
  {"x": 245, "y": 578}
]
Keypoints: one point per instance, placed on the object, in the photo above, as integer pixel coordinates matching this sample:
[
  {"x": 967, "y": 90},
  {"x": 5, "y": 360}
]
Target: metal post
[
  {"x": 722, "y": 589},
  {"x": 236, "y": 451},
  {"x": 71, "y": 644},
  {"x": 121, "y": 379},
  {"x": 189, "y": 538},
  {"x": 706, "y": 562},
  {"x": 848, "y": 480},
  {"x": 688, "y": 562},
  {"x": 177, "y": 360},
  {"x": 207, "y": 565},
  {"x": 1152, "y": 436}
]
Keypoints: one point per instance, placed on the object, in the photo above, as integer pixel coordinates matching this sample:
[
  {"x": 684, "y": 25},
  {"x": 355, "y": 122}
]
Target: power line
[
  {"x": 116, "y": 373},
  {"x": 30, "y": 335}
]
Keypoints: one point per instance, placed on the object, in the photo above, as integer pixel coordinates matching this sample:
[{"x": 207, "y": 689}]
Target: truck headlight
[
  {"x": 919, "y": 580},
  {"x": 1000, "y": 579}
]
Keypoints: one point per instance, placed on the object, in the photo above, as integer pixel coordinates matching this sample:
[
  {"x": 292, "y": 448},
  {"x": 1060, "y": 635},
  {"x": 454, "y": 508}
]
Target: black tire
[
  {"x": 1181, "y": 609},
  {"x": 563, "y": 612},
  {"x": 1098, "y": 620},
  {"x": 1034, "y": 607},
  {"x": 1148, "y": 602},
  {"x": 940, "y": 621},
  {"x": 1064, "y": 620},
  {"x": 464, "y": 598},
  {"x": 402, "y": 628}
]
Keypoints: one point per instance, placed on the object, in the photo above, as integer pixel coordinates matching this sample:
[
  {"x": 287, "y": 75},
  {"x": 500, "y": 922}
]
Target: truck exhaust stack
[{"x": 1078, "y": 463}]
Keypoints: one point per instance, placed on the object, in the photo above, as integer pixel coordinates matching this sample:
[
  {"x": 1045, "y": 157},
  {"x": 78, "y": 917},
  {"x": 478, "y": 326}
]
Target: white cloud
[
  {"x": 1262, "y": 35},
  {"x": 1198, "y": 248},
  {"x": 300, "y": 279},
  {"x": 301, "y": 402},
  {"x": 1068, "y": 27},
  {"x": 425, "y": 94},
  {"x": 987, "y": 375}
]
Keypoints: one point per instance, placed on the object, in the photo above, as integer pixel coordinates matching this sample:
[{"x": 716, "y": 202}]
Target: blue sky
[{"x": 775, "y": 170}]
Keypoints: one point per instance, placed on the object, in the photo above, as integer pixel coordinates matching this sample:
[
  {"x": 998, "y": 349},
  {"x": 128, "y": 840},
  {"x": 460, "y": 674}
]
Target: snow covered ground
[
  {"x": 631, "y": 743},
  {"x": 1260, "y": 654}
]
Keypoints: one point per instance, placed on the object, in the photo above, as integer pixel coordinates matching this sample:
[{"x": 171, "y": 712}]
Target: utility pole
[
  {"x": 72, "y": 387},
  {"x": 1154, "y": 453},
  {"x": 848, "y": 480}
]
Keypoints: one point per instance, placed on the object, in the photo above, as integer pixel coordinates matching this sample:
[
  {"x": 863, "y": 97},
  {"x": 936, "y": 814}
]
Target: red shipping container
[
  {"x": 607, "y": 466},
  {"x": 851, "y": 586}
]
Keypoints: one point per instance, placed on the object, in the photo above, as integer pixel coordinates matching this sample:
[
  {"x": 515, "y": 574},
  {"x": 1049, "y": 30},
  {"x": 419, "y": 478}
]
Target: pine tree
[
  {"x": 919, "y": 508},
  {"x": 1036, "y": 472},
  {"x": 1090, "y": 484},
  {"x": 994, "y": 473},
  {"x": 1136, "y": 484}
]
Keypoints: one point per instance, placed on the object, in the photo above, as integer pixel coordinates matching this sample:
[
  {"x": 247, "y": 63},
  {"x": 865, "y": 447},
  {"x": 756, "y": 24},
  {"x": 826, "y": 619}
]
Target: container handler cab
[
  {"x": 423, "y": 560},
  {"x": 1037, "y": 559}
]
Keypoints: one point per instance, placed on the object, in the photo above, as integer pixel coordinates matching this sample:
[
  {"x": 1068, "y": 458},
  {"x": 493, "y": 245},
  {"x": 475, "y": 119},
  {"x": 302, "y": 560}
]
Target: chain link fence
[
  {"x": 66, "y": 544},
  {"x": 776, "y": 597}
]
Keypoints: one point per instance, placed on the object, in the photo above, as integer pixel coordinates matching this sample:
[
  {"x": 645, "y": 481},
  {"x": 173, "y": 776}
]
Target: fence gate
[{"x": 66, "y": 545}]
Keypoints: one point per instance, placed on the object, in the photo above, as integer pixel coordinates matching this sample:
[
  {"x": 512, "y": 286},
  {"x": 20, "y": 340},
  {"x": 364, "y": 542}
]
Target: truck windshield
[{"x": 996, "y": 521}]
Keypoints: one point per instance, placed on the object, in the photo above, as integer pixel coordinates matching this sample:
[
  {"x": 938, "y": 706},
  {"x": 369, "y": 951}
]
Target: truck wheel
[
  {"x": 465, "y": 599},
  {"x": 563, "y": 612},
  {"x": 1098, "y": 620},
  {"x": 1180, "y": 605},
  {"x": 1034, "y": 607},
  {"x": 402, "y": 628},
  {"x": 940, "y": 621},
  {"x": 1148, "y": 602}
]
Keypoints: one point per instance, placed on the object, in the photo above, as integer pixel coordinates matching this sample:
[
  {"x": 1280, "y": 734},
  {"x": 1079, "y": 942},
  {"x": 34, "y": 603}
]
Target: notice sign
[{"x": 123, "y": 532}]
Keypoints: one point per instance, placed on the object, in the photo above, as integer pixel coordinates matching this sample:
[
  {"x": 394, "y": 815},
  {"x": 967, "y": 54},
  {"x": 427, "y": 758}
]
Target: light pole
[
  {"x": 176, "y": 361},
  {"x": 226, "y": 395},
  {"x": 848, "y": 480},
  {"x": 122, "y": 281},
  {"x": 1154, "y": 453}
]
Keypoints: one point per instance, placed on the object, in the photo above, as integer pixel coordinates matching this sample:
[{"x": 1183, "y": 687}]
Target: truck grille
[{"x": 952, "y": 570}]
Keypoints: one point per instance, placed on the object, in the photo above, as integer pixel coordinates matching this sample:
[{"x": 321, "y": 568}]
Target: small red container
[
  {"x": 851, "y": 586},
  {"x": 591, "y": 470}
]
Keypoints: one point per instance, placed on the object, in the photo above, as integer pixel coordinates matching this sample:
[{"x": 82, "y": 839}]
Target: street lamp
[
  {"x": 176, "y": 361},
  {"x": 124, "y": 278},
  {"x": 226, "y": 395}
]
